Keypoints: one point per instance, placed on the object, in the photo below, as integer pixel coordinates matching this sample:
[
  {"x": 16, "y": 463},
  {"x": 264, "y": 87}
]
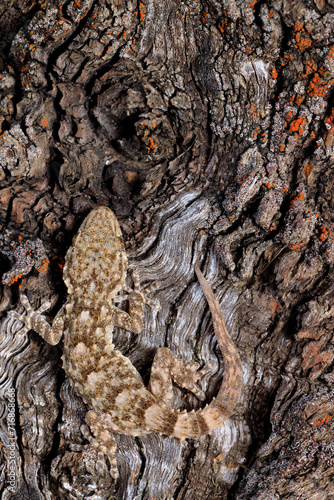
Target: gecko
[{"x": 118, "y": 402}]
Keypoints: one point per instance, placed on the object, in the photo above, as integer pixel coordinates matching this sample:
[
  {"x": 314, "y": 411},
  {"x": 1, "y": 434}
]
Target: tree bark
[{"x": 208, "y": 128}]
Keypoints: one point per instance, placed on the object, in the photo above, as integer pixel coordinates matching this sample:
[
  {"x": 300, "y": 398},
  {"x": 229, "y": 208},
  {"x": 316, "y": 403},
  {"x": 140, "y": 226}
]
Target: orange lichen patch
[
  {"x": 253, "y": 112},
  {"x": 310, "y": 67},
  {"x": 149, "y": 143},
  {"x": 298, "y": 247},
  {"x": 44, "y": 122},
  {"x": 325, "y": 420},
  {"x": 142, "y": 11},
  {"x": 298, "y": 27},
  {"x": 15, "y": 279},
  {"x": 302, "y": 39},
  {"x": 223, "y": 24},
  {"x": 297, "y": 125},
  {"x": 329, "y": 121},
  {"x": 317, "y": 87},
  {"x": 302, "y": 43},
  {"x": 204, "y": 16},
  {"x": 299, "y": 197},
  {"x": 251, "y": 5},
  {"x": 274, "y": 73},
  {"x": 286, "y": 59},
  {"x": 324, "y": 233},
  {"x": 45, "y": 265},
  {"x": 299, "y": 99}
]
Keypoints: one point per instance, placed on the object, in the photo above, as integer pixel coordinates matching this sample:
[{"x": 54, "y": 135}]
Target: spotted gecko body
[{"x": 94, "y": 272}]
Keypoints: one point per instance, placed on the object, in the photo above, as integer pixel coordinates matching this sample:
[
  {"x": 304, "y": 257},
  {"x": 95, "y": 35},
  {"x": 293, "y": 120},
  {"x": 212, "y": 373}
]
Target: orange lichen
[
  {"x": 15, "y": 279},
  {"x": 318, "y": 87},
  {"x": 324, "y": 233},
  {"x": 44, "y": 267},
  {"x": 302, "y": 43},
  {"x": 325, "y": 420},
  {"x": 286, "y": 59},
  {"x": 297, "y": 125},
  {"x": 142, "y": 11},
  {"x": 329, "y": 121},
  {"x": 310, "y": 67},
  {"x": 299, "y": 197},
  {"x": 274, "y": 73},
  {"x": 299, "y": 99},
  {"x": 223, "y": 25},
  {"x": 298, "y": 247},
  {"x": 302, "y": 40},
  {"x": 252, "y": 111}
]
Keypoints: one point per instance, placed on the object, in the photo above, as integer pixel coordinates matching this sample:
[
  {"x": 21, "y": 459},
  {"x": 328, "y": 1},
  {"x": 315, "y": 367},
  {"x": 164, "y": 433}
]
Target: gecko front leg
[
  {"x": 137, "y": 297},
  {"x": 34, "y": 320}
]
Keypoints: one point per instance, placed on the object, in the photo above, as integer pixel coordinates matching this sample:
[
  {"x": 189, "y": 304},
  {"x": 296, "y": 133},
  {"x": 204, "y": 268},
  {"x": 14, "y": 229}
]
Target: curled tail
[
  {"x": 192, "y": 425},
  {"x": 230, "y": 390}
]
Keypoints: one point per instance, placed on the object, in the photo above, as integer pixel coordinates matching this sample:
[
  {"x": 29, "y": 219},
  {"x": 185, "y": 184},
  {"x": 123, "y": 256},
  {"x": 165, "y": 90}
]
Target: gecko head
[{"x": 96, "y": 264}]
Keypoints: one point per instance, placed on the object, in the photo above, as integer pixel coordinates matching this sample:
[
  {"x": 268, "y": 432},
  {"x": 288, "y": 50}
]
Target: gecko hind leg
[
  {"x": 167, "y": 368},
  {"x": 103, "y": 441}
]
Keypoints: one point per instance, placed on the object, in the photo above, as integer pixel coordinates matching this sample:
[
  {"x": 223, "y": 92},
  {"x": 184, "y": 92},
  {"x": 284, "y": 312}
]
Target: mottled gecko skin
[{"x": 109, "y": 384}]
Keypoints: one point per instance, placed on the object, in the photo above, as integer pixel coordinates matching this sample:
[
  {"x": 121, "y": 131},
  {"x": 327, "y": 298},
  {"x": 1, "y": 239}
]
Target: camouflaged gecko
[{"x": 94, "y": 272}]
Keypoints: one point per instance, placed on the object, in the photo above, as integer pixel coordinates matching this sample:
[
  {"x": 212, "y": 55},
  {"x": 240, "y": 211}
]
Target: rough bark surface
[{"x": 208, "y": 127}]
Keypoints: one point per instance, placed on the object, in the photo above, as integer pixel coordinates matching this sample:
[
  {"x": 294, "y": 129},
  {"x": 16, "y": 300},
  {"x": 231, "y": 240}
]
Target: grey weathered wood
[{"x": 208, "y": 128}]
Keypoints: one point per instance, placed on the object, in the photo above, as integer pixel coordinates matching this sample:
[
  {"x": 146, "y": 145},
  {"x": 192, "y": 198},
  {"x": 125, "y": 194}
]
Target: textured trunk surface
[{"x": 208, "y": 128}]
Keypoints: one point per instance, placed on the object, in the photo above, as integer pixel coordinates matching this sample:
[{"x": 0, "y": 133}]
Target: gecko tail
[
  {"x": 187, "y": 425},
  {"x": 192, "y": 425},
  {"x": 164, "y": 420}
]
